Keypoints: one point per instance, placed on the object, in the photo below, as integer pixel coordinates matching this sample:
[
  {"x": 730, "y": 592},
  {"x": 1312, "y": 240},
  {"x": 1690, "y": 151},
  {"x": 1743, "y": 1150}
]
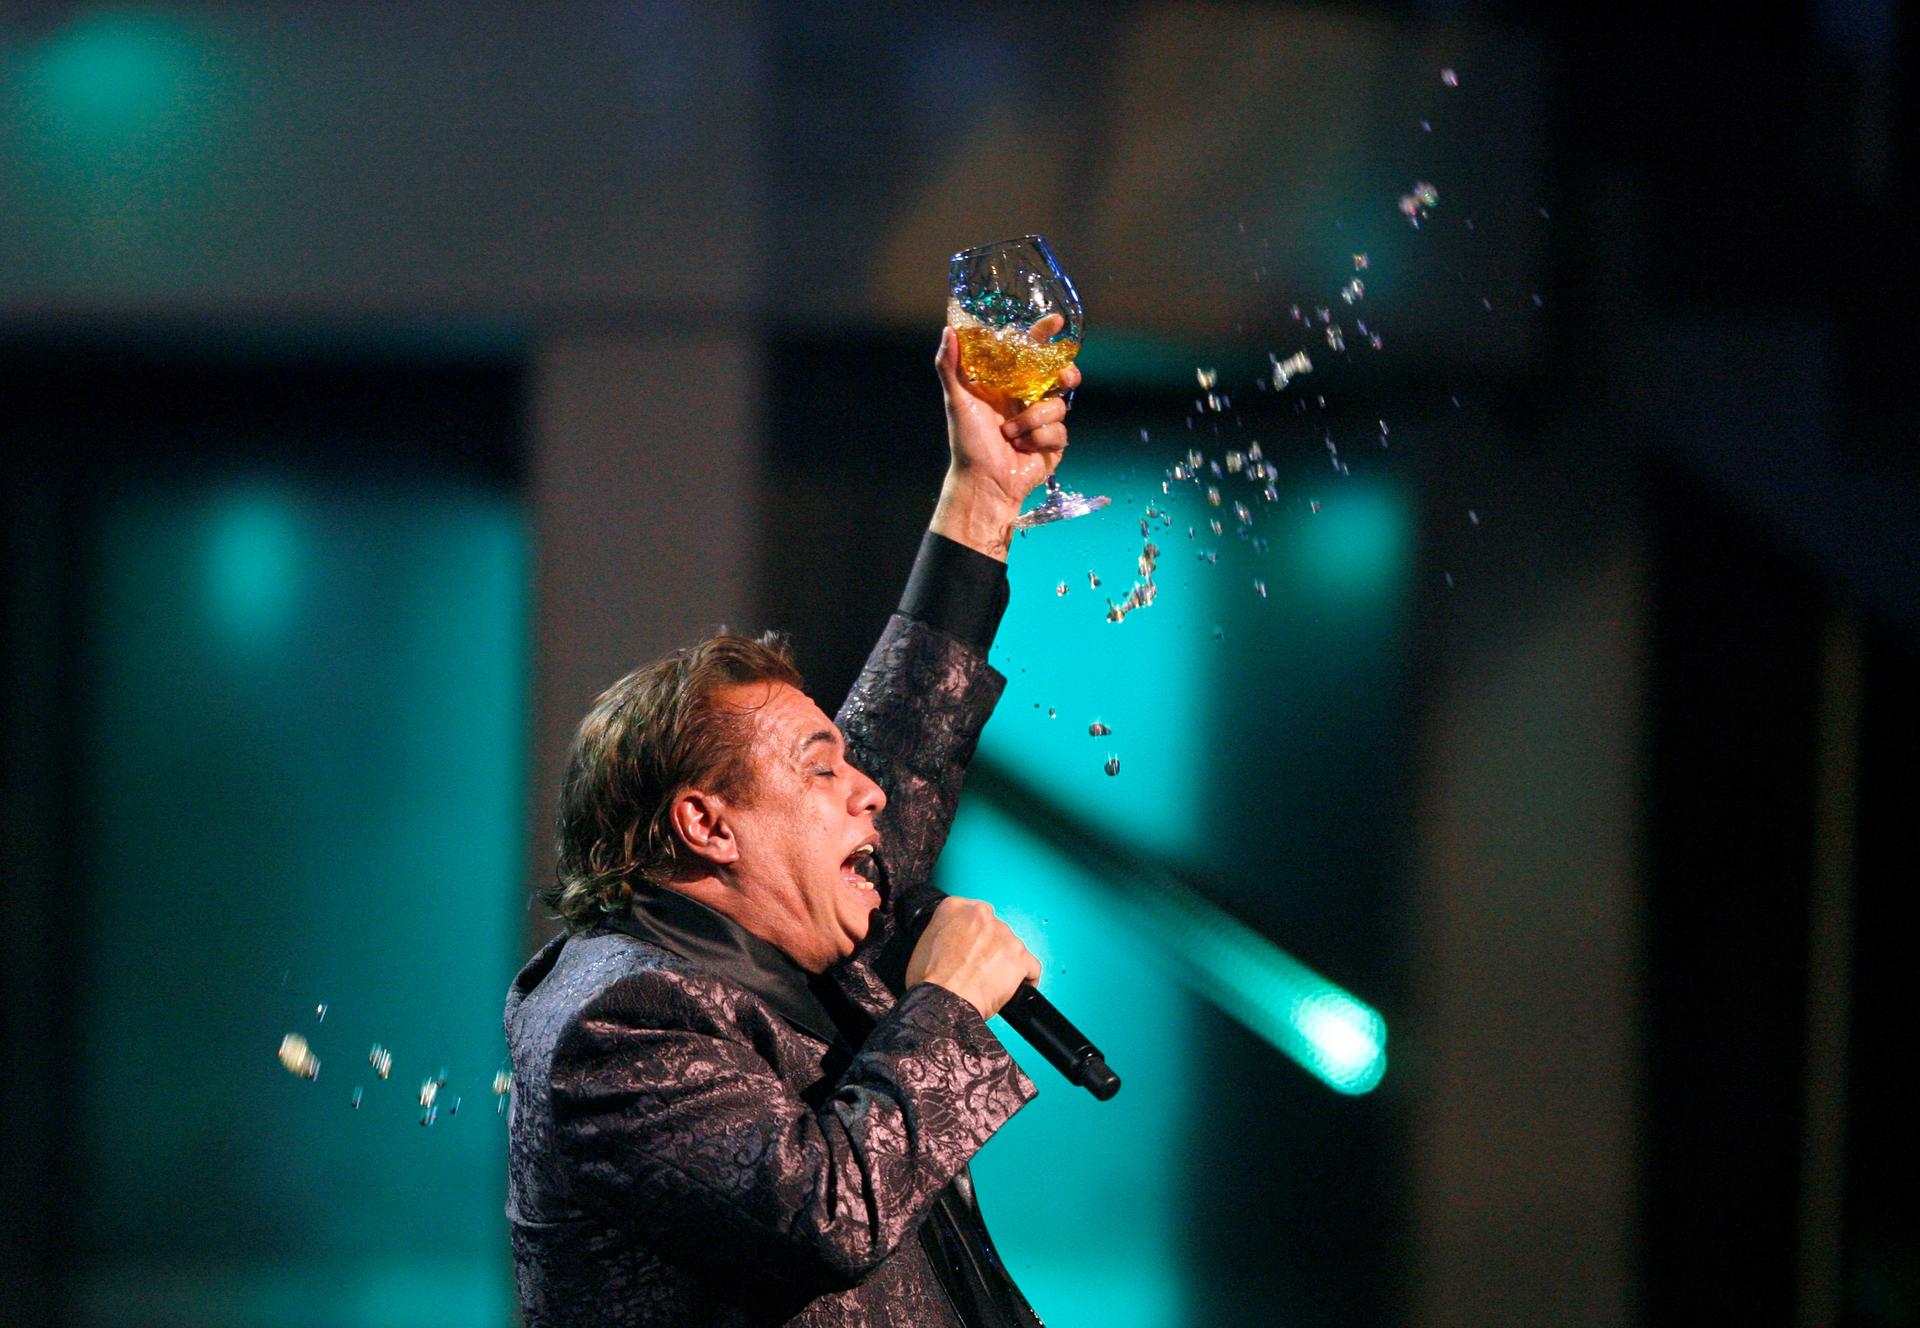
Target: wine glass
[{"x": 1005, "y": 298}]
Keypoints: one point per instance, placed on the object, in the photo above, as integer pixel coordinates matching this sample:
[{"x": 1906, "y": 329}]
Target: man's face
[{"x": 802, "y": 830}]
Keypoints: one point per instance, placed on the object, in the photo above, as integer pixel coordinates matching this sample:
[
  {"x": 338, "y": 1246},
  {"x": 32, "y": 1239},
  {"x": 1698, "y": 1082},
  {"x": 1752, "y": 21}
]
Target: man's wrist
[{"x": 975, "y": 513}]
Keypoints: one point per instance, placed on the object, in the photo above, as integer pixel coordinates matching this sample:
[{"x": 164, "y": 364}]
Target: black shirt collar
[{"x": 684, "y": 926}]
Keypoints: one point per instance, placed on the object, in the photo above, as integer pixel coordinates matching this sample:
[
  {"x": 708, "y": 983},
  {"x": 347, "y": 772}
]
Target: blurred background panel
[{"x": 1500, "y": 903}]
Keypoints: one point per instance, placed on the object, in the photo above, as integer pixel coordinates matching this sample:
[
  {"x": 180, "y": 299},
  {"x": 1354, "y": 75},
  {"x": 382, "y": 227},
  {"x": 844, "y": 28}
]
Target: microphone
[
  {"x": 1045, "y": 1029},
  {"x": 1050, "y": 1033}
]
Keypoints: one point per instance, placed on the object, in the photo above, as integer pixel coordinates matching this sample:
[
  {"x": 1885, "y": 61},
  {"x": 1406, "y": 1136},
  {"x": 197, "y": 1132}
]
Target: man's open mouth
[{"x": 859, "y": 867}]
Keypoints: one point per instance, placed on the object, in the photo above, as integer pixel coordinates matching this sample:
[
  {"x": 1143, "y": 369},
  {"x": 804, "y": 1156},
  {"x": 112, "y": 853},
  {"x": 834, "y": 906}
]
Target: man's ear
[{"x": 702, "y": 823}]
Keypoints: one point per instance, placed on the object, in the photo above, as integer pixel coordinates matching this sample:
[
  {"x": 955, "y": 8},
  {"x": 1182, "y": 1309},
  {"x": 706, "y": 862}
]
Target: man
[{"x": 744, "y": 1091}]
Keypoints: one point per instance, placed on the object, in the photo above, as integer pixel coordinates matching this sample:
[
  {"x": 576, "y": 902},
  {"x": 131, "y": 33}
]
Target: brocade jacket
[{"x": 701, "y": 1134}]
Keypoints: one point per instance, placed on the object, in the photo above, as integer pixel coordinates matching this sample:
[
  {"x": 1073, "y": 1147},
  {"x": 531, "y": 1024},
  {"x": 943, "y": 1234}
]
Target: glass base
[{"x": 1060, "y": 505}]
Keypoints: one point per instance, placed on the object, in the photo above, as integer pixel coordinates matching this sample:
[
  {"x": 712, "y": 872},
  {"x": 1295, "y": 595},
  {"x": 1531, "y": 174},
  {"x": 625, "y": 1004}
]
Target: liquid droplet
[{"x": 298, "y": 1058}]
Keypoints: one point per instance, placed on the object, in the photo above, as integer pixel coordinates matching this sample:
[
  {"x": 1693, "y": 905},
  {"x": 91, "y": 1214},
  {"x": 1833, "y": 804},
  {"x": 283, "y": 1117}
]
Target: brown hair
[{"x": 657, "y": 731}]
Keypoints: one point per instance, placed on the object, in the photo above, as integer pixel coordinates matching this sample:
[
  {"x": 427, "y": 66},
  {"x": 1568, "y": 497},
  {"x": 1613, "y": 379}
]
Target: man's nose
[{"x": 868, "y": 797}]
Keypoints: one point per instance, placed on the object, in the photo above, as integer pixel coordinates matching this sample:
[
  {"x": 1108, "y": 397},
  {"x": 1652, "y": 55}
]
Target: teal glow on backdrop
[
  {"x": 304, "y": 752},
  {"x": 255, "y": 561},
  {"x": 1089, "y": 1221},
  {"x": 116, "y": 75},
  {"x": 125, "y": 119},
  {"x": 1144, "y": 678}
]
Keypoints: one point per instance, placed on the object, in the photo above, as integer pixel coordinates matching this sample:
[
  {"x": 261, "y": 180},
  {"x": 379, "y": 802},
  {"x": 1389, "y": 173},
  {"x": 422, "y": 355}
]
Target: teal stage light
[{"x": 113, "y": 75}]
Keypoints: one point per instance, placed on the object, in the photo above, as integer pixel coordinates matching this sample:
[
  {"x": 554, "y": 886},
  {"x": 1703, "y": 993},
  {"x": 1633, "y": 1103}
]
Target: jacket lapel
[{"x": 715, "y": 943}]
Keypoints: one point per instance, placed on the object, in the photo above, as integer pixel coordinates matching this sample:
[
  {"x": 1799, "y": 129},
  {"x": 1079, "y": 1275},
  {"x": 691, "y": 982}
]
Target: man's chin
[{"x": 859, "y": 924}]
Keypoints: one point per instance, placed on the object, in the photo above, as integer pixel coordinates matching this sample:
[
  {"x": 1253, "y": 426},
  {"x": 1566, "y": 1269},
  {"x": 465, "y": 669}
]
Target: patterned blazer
[{"x": 692, "y": 1139}]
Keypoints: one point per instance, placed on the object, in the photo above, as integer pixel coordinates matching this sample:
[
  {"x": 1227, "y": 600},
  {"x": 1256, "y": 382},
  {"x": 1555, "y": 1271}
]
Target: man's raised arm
[{"x": 915, "y": 713}]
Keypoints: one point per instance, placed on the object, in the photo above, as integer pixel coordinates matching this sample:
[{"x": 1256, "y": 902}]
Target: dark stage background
[{"x": 1502, "y": 911}]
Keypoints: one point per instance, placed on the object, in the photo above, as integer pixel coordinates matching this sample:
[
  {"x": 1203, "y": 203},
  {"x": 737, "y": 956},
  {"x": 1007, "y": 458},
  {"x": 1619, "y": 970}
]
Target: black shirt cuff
[{"x": 959, "y": 590}]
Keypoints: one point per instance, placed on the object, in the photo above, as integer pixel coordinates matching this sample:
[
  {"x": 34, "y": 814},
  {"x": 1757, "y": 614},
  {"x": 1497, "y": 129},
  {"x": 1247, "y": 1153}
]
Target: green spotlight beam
[{"x": 1327, "y": 1031}]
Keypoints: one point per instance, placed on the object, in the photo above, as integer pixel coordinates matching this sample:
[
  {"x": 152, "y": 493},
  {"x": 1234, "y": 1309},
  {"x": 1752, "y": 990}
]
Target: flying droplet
[
  {"x": 1285, "y": 371},
  {"x": 381, "y": 1060},
  {"x": 320, "y": 1013},
  {"x": 1093, "y": 580},
  {"x": 1060, "y": 589},
  {"x": 1450, "y": 78},
  {"x": 298, "y": 1057},
  {"x": 356, "y": 1097},
  {"x": 1260, "y": 588},
  {"x": 1113, "y": 765},
  {"x": 1098, "y": 730}
]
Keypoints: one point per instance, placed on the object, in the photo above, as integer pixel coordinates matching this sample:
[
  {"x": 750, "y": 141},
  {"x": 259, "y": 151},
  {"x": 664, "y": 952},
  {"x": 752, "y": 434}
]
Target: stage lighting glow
[
  {"x": 1356, "y": 545},
  {"x": 1328, "y": 1032},
  {"x": 253, "y": 566},
  {"x": 110, "y": 75}
]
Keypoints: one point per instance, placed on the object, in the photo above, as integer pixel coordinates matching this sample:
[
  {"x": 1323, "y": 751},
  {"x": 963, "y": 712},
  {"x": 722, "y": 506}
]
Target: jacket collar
[{"x": 716, "y": 943}]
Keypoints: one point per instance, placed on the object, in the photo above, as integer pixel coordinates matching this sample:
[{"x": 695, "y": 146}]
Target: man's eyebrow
[{"x": 824, "y": 735}]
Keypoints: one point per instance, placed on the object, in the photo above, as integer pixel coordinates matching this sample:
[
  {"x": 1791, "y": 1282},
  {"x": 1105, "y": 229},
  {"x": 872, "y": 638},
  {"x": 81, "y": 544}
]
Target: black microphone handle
[
  {"x": 1034, "y": 1018},
  {"x": 1050, "y": 1033}
]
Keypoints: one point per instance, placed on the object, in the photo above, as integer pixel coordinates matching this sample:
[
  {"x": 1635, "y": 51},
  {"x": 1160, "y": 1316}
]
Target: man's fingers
[
  {"x": 1070, "y": 377},
  {"x": 946, "y": 358},
  {"x": 1045, "y": 438},
  {"x": 1047, "y": 410},
  {"x": 1048, "y": 328}
]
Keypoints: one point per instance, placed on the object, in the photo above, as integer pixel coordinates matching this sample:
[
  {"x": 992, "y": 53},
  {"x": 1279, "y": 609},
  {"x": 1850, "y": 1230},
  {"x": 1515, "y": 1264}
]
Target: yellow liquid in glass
[{"x": 1007, "y": 359}]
